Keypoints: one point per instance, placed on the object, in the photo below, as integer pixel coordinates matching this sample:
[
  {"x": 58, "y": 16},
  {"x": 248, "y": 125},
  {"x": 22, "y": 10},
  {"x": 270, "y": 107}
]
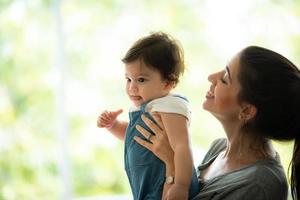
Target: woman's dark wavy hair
[{"x": 271, "y": 82}]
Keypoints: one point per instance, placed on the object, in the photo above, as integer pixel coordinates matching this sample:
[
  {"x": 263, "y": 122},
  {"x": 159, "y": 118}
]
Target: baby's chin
[{"x": 138, "y": 103}]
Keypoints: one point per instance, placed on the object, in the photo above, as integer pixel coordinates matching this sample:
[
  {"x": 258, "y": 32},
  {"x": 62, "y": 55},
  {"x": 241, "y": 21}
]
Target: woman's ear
[{"x": 247, "y": 112}]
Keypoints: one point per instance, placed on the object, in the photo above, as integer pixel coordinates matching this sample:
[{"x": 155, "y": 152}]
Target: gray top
[{"x": 265, "y": 179}]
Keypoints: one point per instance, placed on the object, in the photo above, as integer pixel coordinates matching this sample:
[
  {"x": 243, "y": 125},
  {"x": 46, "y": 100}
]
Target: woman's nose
[{"x": 211, "y": 78}]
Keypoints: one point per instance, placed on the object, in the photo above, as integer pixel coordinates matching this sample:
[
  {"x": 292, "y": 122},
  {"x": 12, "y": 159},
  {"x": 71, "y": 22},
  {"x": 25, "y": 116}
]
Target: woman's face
[{"x": 221, "y": 99}]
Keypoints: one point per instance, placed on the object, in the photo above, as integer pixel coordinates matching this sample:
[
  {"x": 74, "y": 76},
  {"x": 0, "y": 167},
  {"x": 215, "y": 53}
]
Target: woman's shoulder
[
  {"x": 268, "y": 173},
  {"x": 264, "y": 179}
]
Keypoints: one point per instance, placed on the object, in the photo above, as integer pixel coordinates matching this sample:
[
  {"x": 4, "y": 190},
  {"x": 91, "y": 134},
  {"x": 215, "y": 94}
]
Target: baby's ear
[
  {"x": 169, "y": 85},
  {"x": 247, "y": 112}
]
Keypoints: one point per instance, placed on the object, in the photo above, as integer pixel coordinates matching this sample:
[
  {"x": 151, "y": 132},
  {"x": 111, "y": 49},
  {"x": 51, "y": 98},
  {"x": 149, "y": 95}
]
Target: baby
[{"x": 152, "y": 69}]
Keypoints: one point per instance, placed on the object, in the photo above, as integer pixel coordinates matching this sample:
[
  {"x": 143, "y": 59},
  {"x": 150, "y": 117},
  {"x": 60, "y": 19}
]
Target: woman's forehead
[{"x": 232, "y": 67}]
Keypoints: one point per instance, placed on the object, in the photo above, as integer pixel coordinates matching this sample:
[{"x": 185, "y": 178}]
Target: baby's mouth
[{"x": 135, "y": 98}]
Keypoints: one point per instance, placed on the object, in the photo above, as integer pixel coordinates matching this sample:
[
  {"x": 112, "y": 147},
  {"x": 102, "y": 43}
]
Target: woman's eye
[
  {"x": 223, "y": 78},
  {"x": 128, "y": 79},
  {"x": 223, "y": 81}
]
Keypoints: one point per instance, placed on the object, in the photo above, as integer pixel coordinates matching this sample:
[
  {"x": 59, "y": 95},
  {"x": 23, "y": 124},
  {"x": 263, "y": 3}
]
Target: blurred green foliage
[{"x": 96, "y": 35}]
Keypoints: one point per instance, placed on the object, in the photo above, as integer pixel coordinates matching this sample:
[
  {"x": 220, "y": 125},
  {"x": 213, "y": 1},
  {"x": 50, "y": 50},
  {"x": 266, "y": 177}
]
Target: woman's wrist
[{"x": 170, "y": 169}]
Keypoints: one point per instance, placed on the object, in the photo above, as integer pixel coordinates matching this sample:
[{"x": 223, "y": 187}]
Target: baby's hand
[{"x": 108, "y": 118}]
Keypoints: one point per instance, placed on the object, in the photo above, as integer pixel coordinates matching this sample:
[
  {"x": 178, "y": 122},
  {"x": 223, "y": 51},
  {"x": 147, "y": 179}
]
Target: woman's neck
[
  {"x": 246, "y": 147},
  {"x": 239, "y": 153}
]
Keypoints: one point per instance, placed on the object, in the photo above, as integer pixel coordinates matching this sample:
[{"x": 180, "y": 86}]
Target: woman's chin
[{"x": 205, "y": 106}]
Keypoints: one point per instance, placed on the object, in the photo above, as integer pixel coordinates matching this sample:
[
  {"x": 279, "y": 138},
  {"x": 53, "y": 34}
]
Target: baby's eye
[{"x": 141, "y": 80}]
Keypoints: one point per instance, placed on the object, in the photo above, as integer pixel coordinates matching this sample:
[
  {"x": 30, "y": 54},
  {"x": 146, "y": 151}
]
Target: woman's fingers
[
  {"x": 144, "y": 132},
  {"x": 158, "y": 143},
  {"x": 153, "y": 127},
  {"x": 144, "y": 143},
  {"x": 157, "y": 119}
]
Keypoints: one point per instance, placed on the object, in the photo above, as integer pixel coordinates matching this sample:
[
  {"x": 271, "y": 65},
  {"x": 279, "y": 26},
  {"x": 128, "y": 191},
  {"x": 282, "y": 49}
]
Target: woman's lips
[{"x": 209, "y": 95}]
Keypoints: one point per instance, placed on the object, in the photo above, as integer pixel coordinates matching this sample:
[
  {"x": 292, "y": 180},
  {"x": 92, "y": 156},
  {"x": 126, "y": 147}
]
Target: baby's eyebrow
[{"x": 143, "y": 74}]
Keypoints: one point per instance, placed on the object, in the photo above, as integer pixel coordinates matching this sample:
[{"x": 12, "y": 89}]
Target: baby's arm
[
  {"x": 176, "y": 127},
  {"x": 108, "y": 120}
]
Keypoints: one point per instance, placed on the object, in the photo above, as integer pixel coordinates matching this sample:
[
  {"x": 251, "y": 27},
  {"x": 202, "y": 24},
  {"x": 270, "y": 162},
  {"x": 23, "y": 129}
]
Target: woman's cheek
[{"x": 225, "y": 101}]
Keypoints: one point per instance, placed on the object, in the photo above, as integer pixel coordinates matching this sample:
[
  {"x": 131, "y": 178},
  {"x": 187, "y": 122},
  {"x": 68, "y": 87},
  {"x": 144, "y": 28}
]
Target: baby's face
[{"x": 143, "y": 83}]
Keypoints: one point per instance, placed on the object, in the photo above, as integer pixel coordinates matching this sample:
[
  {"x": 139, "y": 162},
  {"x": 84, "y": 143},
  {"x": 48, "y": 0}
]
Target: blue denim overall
[{"x": 146, "y": 173}]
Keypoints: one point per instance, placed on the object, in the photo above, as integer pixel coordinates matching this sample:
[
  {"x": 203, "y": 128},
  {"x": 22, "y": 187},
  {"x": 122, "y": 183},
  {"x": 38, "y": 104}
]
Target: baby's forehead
[{"x": 139, "y": 68}]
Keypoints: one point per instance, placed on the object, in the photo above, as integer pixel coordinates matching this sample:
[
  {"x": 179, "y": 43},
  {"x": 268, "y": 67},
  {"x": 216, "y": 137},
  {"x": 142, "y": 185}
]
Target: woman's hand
[
  {"x": 160, "y": 146},
  {"x": 159, "y": 142}
]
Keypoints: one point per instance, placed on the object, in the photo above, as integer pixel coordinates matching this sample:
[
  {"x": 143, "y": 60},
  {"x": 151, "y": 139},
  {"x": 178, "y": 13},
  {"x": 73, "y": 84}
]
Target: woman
[{"x": 256, "y": 98}]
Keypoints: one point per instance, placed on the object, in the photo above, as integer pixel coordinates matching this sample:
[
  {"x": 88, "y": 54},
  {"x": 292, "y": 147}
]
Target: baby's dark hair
[
  {"x": 271, "y": 83},
  {"x": 161, "y": 52}
]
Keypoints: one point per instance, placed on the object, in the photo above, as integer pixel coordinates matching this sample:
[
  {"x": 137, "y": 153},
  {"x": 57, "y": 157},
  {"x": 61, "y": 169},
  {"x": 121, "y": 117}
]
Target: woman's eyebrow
[{"x": 228, "y": 72}]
